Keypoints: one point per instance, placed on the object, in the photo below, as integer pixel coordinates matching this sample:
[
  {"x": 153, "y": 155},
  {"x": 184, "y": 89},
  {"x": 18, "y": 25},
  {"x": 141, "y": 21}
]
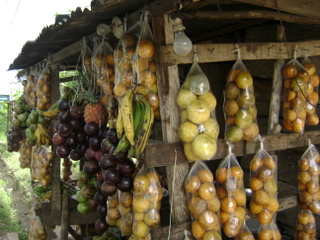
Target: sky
[{"x": 22, "y": 21}]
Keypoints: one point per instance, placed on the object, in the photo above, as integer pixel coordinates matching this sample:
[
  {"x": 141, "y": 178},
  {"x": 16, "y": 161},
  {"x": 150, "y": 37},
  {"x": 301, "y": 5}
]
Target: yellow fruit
[
  {"x": 251, "y": 132},
  {"x": 211, "y": 127},
  {"x": 192, "y": 184},
  {"x": 183, "y": 116},
  {"x": 231, "y": 91},
  {"x": 231, "y": 107},
  {"x": 188, "y": 131},
  {"x": 244, "y": 80},
  {"x": 234, "y": 134},
  {"x": 198, "y": 111},
  {"x": 209, "y": 220},
  {"x": 188, "y": 152},
  {"x": 243, "y": 119},
  {"x": 185, "y": 97},
  {"x": 205, "y": 175},
  {"x": 213, "y": 204},
  {"x": 140, "y": 229},
  {"x": 203, "y": 146},
  {"x": 211, "y": 235},
  {"x": 207, "y": 191},
  {"x": 152, "y": 218},
  {"x": 140, "y": 204},
  {"x": 210, "y": 99},
  {"x": 197, "y": 230}
]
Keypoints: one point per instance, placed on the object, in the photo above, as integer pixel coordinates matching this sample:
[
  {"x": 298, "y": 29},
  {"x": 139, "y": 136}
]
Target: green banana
[
  {"x": 123, "y": 145},
  {"x": 145, "y": 129},
  {"x": 127, "y": 115}
]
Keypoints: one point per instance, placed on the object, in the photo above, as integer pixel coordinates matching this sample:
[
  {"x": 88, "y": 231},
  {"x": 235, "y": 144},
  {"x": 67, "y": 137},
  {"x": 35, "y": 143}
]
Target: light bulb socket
[{"x": 177, "y": 25}]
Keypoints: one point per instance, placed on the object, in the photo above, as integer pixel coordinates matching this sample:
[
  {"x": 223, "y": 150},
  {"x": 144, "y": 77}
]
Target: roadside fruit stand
[{"x": 188, "y": 119}]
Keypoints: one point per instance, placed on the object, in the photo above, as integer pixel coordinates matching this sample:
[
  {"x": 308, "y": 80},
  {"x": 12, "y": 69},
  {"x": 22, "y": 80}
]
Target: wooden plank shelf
[{"x": 281, "y": 141}]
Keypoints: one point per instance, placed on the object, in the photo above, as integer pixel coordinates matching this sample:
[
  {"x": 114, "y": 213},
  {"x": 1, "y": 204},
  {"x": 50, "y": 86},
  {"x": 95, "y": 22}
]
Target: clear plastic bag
[
  {"x": 306, "y": 226},
  {"x": 126, "y": 212},
  {"x": 230, "y": 191},
  {"x": 147, "y": 196},
  {"x": 312, "y": 94},
  {"x": 86, "y": 57},
  {"x": 239, "y": 105},
  {"x": 308, "y": 180},
  {"x": 31, "y": 96},
  {"x": 270, "y": 231},
  {"x": 203, "y": 202},
  {"x": 145, "y": 67},
  {"x": 296, "y": 79},
  {"x": 41, "y": 164},
  {"x": 25, "y": 155},
  {"x": 43, "y": 89},
  {"x": 263, "y": 183},
  {"x": 244, "y": 233},
  {"x": 36, "y": 230},
  {"x": 113, "y": 213},
  {"x": 199, "y": 128}
]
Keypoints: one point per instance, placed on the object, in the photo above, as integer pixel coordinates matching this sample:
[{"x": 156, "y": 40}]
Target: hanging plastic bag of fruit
[
  {"x": 113, "y": 214},
  {"x": 230, "y": 191},
  {"x": 312, "y": 95},
  {"x": 43, "y": 89},
  {"x": 308, "y": 179},
  {"x": 203, "y": 202},
  {"x": 145, "y": 67},
  {"x": 126, "y": 213},
  {"x": 25, "y": 155},
  {"x": 123, "y": 58},
  {"x": 36, "y": 230},
  {"x": 199, "y": 128},
  {"x": 86, "y": 57},
  {"x": 263, "y": 183},
  {"x": 41, "y": 164},
  {"x": 147, "y": 196},
  {"x": 239, "y": 104},
  {"x": 270, "y": 231},
  {"x": 244, "y": 233},
  {"x": 306, "y": 226},
  {"x": 296, "y": 79},
  {"x": 31, "y": 96}
]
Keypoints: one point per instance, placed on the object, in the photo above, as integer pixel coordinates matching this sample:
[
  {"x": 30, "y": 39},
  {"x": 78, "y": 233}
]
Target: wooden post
[
  {"x": 56, "y": 190},
  {"x": 65, "y": 215},
  {"x": 169, "y": 85}
]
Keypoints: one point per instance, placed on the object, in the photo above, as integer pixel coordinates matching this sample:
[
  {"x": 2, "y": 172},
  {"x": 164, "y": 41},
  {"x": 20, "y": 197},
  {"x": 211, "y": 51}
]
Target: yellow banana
[
  {"x": 127, "y": 115},
  {"x": 51, "y": 113},
  {"x": 119, "y": 124},
  {"x": 145, "y": 129}
]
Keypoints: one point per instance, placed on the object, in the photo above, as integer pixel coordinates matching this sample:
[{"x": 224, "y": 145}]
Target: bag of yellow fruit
[
  {"x": 199, "y": 128},
  {"x": 239, "y": 105},
  {"x": 306, "y": 226},
  {"x": 41, "y": 164},
  {"x": 312, "y": 95},
  {"x": 113, "y": 214},
  {"x": 203, "y": 202},
  {"x": 244, "y": 233},
  {"x": 31, "y": 96},
  {"x": 308, "y": 180},
  {"x": 296, "y": 80},
  {"x": 145, "y": 67},
  {"x": 126, "y": 213},
  {"x": 230, "y": 191},
  {"x": 147, "y": 196},
  {"x": 123, "y": 59},
  {"x": 270, "y": 232},
  {"x": 263, "y": 183},
  {"x": 43, "y": 89}
]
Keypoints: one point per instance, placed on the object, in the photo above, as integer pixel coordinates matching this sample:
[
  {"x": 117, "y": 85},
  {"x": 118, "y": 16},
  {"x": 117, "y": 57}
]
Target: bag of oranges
[
  {"x": 312, "y": 95},
  {"x": 306, "y": 226},
  {"x": 308, "y": 178},
  {"x": 43, "y": 89},
  {"x": 239, "y": 105},
  {"x": 199, "y": 128},
  {"x": 270, "y": 231},
  {"x": 31, "y": 91},
  {"x": 147, "y": 196},
  {"x": 230, "y": 191},
  {"x": 126, "y": 213},
  {"x": 113, "y": 214},
  {"x": 296, "y": 80},
  {"x": 145, "y": 67},
  {"x": 244, "y": 233},
  {"x": 203, "y": 202},
  {"x": 263, "y": 183},
  {"x": 86, "y": 55},
  {"x": 123, "y": 58}
]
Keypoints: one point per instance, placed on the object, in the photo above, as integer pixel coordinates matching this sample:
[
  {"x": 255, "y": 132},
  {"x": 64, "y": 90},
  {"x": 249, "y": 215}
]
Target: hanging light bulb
[{"x": 182, "y": 45}]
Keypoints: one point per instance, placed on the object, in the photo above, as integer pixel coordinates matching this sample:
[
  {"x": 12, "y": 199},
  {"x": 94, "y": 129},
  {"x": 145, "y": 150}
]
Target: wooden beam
[
  {"x": 307, "y": 8},
  {"x": 65, "y": 215},
  {"x": 69, "y": 51},
  {"x": 277, "y": 142},
  {"x": 221, "y": 52},
  {"x": 240, "y": 15}
]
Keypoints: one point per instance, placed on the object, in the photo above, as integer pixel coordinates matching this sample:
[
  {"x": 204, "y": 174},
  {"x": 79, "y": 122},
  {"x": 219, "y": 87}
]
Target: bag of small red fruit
[
  {"x": 147, "y": 196},
  {"x": 308, "y": 180},
  {"x": 239, "y": 104},
  {"x": 263, "y": 183},
  {"x": 296, "y": 79},
  {"x": 312, "y": 95},
  {"x": 230, "y": 191},
  {"x": 145, "y": 67},
  {"x": 199, "y": 128},
  {"x": 203, "y": 202},
  {"x": 306, "y": 226}
]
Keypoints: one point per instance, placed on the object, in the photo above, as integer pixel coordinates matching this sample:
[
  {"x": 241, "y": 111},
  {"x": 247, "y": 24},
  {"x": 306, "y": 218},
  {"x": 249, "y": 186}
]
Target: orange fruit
[
  {"x": 255, "y": 208},
  {"x": 289, "y": 71},
  {"x": 313, "y": 98},
  {"x": 232, "y": 75},
  {"x": 313, "y": 187},
  {"x": 224, "y": 217},
  {"x": 265, "y": 234},
  {"x": 192, "y": 184},
  {"x": 141, "y": 64},
  {"x": 197, "y": 230},
  {"x": 213, "y": 204},
  {"x": 145, "y": 48},
  {"x": 265, "y": 174},
  {"x": 273, "y": 205},
  {"x": 304, "y": 177},
  {"x": 231, "y": 108},
  {"x": 221, "y": 175},
  {"x": 153, "y": 100},
  {"x": 209, "y": 220},
  {"x": 309, "y": 67},
  {"x": 147, "y": 78},
  {"x": 290, "y": 95},
  {"x": 221, "y": 192},
  {"x": 269, "y": 162},
  {"x": 304, "y": 218},
  {"x": 251, "y": 132},
  {"x": 303, "y": 164},
  {"x": 261, "y": 197},
  {"x": 211, "y": 235},
  {"x": 255, "y": 184},
  {"x": 255, "y": 164},
  {"x": 314, "y": 170},
  {"x": 315, "y": 207},
  {"x": 153, "y": 176},
  {"x": 228, "y": 204},
  {"x": 152, "y": 218},
  {"x": 231, "y": 91},
  {"x": 141, "y": 183},
  {"x": 289, "y": 115},
  {"x": 245, "y": 235},
  {"x": 120, "y": 90},
  {"x": 240, "y": 197},
  {"x": 271, "y": 187},
  {"x": 244, "y": 80},
  {"x": 197, "y": 206},
  {"x": 140, "y": 204},
  {"x": 239, "y": 213},
  {"x": 305, "y": 197},
  {"x": 154, "y": 193},
  {"x": 236, "y": 172},
  {"x": 312, "y": 119},
  {"x": 129, "y": 40},
  {"x": 243, "y": 119},
  {"x": 287, "y": 125},
  {"x": 314, "y": 80},
  {"x": 265, "y": 217},
  {"x": 207, "y": 191},
  {"x": 231, "y": 229},
  {"x": 205, "y": 175}
]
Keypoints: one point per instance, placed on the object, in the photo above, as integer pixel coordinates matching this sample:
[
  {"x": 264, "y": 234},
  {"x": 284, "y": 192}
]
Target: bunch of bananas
[
  {"x": 134, "y": 124},
  {"x": 42, "y": 135},
  {"x": 53, "y": 111}
]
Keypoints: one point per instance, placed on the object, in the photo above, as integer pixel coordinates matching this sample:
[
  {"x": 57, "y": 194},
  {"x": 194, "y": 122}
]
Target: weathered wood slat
[
  {"x": 277, "y": 142},
  {"x": 221, "y": 52}
]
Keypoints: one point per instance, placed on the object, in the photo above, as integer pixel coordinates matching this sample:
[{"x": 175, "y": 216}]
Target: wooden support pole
[
  {"x": 65, "y": 215},
  {"x": 169, "y": 85}
]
